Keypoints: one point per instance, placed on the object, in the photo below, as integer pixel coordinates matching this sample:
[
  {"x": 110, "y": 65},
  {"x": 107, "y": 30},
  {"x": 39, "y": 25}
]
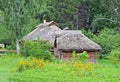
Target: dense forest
[{"x": 99, "y": 19}]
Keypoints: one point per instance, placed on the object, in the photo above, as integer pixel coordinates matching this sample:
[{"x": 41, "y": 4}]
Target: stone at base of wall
[{"x": 92, "y": 60}]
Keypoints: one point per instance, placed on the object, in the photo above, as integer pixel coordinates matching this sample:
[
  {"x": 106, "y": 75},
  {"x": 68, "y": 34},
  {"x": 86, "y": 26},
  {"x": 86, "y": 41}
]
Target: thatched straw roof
[
  {"x": 44, "y": 31},
  {"x": 70, "y": 40}
]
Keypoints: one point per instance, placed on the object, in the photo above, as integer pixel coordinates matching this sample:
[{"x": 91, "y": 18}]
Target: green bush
[
  {"x": 39, "y": 49},
  {"x": 108, "y": 39},
  {"x": 115, "y": 56},
  {"x": 115, "y": 53},
  {"x": 80, "y": 56}
]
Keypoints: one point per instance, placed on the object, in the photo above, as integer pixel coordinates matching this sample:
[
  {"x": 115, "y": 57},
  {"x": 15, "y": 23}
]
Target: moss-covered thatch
[
  {"x": 44, "y": 31},
  {"x": 70, "y": 40}
]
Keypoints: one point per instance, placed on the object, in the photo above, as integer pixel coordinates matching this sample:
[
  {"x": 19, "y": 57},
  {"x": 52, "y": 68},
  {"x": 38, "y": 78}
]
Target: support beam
[{"x": 17, "y": 47}]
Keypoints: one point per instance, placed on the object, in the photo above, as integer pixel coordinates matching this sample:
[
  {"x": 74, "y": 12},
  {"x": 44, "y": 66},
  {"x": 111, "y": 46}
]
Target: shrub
[
  {"x": 80, "y": 56},
  {"x": 115, "y": 56},
  {"x": 108, "y": 39},
  {"x": 39, "y": 49},
  {"x": 115, "y": 53}
]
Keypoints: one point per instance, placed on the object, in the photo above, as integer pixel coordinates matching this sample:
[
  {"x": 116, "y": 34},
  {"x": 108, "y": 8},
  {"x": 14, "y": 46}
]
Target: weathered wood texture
[{"x": 92, "y": 56}]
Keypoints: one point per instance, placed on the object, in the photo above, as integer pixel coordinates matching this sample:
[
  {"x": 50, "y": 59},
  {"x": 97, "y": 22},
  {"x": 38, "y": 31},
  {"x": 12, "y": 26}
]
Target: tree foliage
[
  {"x": 19, "y": 16},
  {"x": 61, "y": 11}
]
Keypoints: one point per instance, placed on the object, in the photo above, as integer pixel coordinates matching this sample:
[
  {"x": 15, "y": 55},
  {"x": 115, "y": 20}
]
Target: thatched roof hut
[
  {"x": 70, "y": 40},
  {"x": 64, "y": 41},
  {"x": 43, "y": 31}
]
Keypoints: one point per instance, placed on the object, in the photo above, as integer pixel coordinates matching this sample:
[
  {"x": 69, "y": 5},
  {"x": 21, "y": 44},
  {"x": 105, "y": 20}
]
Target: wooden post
[{"x": 17, "y": 47}]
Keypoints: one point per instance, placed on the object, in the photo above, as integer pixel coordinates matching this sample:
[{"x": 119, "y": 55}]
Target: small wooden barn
[
  {"x": 67, "y": 41},
  {"x": 64, "y": 42}
]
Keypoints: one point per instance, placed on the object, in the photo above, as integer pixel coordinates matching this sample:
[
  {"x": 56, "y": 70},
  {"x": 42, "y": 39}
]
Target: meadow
[{"x": 14, "y": 68}]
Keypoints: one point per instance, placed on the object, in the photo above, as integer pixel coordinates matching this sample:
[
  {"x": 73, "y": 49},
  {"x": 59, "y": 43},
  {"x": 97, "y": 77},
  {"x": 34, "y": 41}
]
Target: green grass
[{"x": 53, "y": 72}]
